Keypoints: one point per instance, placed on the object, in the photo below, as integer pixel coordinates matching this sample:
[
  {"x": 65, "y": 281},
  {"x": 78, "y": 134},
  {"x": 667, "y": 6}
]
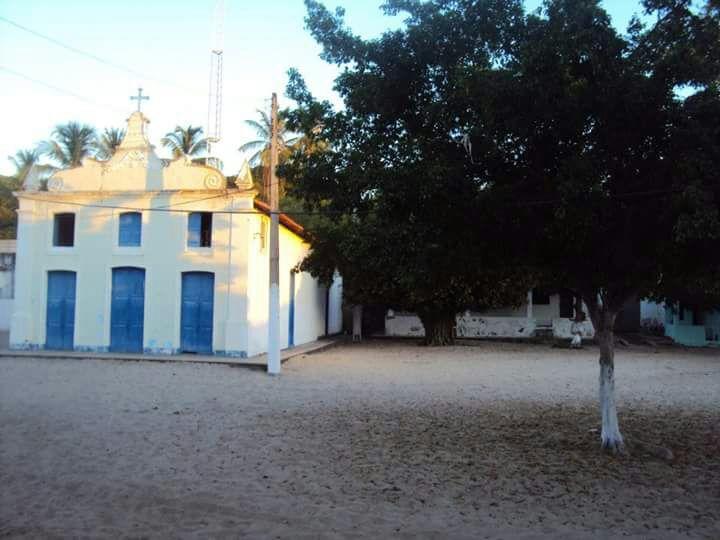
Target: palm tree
[
  {"x": 260, "y": 147},
  {"x": 27, "y": 162},
  {"x": 70, "y": 143},
  {"x": 186, "y": 142},
  {"x": 109, "y": 142}
]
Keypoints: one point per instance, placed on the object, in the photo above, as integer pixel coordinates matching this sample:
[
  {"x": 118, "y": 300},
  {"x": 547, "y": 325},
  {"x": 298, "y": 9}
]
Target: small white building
[{"x": 139, "y": 254}]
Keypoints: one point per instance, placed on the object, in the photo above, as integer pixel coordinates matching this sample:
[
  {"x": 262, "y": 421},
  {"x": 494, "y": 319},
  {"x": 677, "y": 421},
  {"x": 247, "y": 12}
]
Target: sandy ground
[{"x": 375, "y": 440}]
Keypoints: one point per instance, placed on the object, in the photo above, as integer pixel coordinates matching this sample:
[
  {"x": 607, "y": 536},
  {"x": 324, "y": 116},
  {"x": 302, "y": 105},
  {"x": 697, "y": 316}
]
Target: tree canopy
[{"x": 480, "y": 145}]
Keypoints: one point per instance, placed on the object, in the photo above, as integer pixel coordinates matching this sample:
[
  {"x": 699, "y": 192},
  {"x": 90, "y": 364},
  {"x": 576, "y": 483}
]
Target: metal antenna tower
[{"x": 214, "y": 122}]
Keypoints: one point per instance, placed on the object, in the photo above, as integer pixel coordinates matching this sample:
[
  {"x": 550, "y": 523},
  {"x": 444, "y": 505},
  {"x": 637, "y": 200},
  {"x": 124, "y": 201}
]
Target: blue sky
[{"x": 167, "y": 45}]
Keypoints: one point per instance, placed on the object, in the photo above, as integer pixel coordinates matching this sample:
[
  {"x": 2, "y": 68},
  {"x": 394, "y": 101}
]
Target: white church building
[{"x": 138, "y": 254}]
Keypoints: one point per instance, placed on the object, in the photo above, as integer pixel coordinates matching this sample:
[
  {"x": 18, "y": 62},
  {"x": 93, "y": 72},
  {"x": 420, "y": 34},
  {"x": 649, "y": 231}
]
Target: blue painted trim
[
  {"x": 232, "y": 354},
  {"x": 157, "y": 351},
  {"x": 25, "y": 347},
  {"x": 291, "y": 312}
]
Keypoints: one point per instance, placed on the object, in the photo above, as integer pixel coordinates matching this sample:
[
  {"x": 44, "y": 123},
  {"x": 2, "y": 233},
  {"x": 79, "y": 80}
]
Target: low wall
[
  {"x": 562, "y": 329},
  {"x": 469, "y": 325},
  {"x": 477, "y": 326},
  {"x": 690, "y": 335},
  {"x": 403, "y": 325},
  {"x": 474, "y": 325}
]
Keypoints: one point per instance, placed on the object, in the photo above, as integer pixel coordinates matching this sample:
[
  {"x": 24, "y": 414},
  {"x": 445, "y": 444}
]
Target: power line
[
  {"x": 95, "y": 57},
  {"x": 61, "y": 90},
  {"x": 170, "y": 208}
]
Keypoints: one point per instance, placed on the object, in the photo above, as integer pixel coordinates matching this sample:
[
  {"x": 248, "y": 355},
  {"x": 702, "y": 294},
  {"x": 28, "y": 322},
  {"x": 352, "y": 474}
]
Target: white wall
[
  {"x": 653, "y": 311},
  {"x": 164, "y": 255},
  {"x": 542, "y": 313},
  {"x": 310, "y": 296},
  {"x": 469, "y": 325},
  {"x": 506, "y": 322},
  {"x": 335, "y": 320}
]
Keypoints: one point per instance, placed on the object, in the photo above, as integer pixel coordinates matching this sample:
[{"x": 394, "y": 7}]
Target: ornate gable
[{"x": 136, "y": 167}]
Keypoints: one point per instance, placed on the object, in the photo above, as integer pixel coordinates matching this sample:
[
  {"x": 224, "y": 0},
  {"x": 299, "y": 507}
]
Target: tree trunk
[
  {"x": 610, "y": 438},
  {"x": 439, "y": 328}
]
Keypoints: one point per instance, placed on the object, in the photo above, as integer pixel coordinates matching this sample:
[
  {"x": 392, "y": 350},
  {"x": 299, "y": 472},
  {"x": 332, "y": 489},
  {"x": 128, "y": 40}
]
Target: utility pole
[{"x": 273, "y": 366}]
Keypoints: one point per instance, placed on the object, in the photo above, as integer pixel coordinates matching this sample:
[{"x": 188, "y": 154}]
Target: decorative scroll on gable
[{"x": 136, "y": 167}]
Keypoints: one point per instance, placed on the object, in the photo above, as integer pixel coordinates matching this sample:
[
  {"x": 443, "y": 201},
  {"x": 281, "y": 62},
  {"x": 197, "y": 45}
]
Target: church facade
[{"x": 143, "y": 255}]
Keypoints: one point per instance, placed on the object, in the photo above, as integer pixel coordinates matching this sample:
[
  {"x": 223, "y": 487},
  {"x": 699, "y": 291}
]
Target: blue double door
[
  {"x": 291, "y": 312},
  {"x": 127, "y": 312},
  {"x": 196, "y": 318},
  {"x": 60, "y": 315}
]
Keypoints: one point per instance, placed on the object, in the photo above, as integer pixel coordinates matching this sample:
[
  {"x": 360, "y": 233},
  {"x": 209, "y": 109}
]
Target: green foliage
[
  {"x": 404, "y": 224},
  {"x": 69, "y": 144},
  {"x": 186, "y": 142},
  {"x": 8, "y": 206},
  {"x": 109, "y": 142},
  {"x": 28, "y": 170},
  {"x": 479, "y": 139},
  {"x": 589, "y": 122}
]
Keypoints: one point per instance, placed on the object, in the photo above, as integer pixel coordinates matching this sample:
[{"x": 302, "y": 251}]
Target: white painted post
[
  {"x": 357, "y": 323},
  {"x": 273, "y": 365},
  {"x": 529, "y": 304}
]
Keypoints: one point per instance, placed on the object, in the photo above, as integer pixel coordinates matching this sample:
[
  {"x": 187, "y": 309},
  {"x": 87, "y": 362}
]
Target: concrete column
[{"x": 530, "y": 304}]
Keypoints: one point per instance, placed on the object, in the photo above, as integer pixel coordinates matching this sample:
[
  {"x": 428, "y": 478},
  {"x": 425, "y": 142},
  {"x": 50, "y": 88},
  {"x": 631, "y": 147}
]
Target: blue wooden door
[
  {"x": 60, "y": 316},
  {"x": 196, "y": 319},
  {"x": 127, "y": 313},
  {"x": 291, "y": 312}
]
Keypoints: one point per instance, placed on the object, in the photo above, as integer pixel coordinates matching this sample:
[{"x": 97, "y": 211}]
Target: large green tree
[
  {"x": 613, "y": 172},
  {"x": 405, "y": 225},
  {"x": 479, "y": 138}
]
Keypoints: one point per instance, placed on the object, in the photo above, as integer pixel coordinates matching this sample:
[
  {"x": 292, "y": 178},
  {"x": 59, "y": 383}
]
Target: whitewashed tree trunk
[{"x": 610, "y": 437}]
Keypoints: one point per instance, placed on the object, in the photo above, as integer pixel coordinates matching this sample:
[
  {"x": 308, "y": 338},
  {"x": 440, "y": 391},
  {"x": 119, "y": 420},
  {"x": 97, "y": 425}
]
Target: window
[
  {"x": 130, "y": 229},
  {"x": 540, "y": 297},
  {"x": 199, "y": 229},
  {"x": 7, "y": 275},
  {"x": 64, "y": 231}
]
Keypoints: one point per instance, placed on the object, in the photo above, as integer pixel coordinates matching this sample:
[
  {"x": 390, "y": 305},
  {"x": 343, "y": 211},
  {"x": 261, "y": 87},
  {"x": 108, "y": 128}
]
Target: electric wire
[
  {"x": 171, "y": 208},
  {"x": 61, "y": 90},
  {"x": 95, "y": 57}
]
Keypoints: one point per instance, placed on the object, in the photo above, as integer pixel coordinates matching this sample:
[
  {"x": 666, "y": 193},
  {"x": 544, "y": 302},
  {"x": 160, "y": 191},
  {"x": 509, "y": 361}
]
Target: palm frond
[
  {"x": 252, "y": 146},
  {"x": 262, "y": 131}
]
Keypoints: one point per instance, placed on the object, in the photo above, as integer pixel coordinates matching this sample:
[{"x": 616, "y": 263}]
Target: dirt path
[{"x": 378, "y": 440}]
